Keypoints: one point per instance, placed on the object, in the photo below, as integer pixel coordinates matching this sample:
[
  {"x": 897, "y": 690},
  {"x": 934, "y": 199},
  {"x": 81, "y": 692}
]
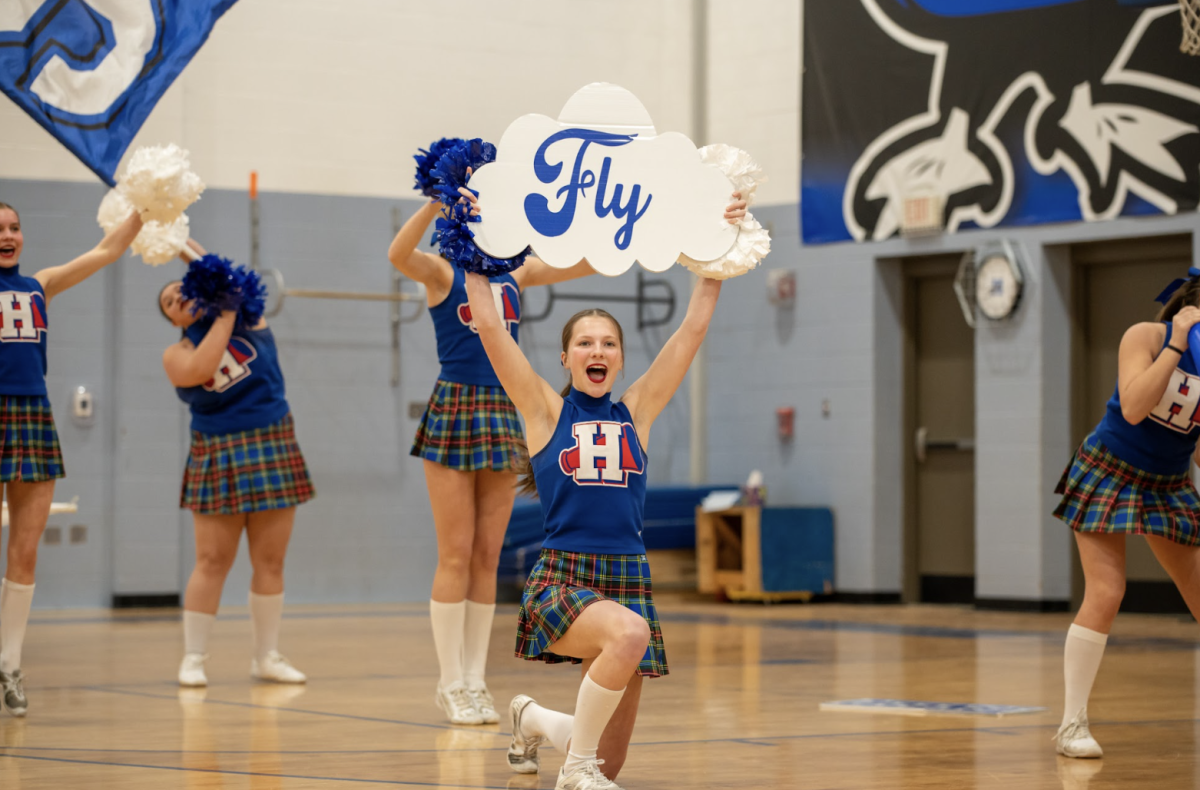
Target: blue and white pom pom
[
  {"x": 214, "y": 284},
  {"x": 426, "y": 182},
  {"x": 453, "y": 236}
]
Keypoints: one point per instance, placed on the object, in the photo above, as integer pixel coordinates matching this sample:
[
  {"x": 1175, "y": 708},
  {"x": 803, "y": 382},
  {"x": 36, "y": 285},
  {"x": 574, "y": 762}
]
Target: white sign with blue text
[{"x": 600, "y": 183}]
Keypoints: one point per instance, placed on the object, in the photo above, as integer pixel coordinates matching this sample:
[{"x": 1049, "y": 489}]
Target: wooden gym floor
[{"x": 739, "y": 710}]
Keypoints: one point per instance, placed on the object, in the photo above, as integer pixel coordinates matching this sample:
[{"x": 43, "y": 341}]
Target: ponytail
[{"x": 1187, "y": 295}]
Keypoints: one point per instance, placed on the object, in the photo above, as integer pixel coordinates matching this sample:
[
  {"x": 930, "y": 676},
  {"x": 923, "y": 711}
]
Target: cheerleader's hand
[
  {"x": 735, "y": 210},
  {"x": 1183, "y": 322},
  {"x": 470, "y": 199}
]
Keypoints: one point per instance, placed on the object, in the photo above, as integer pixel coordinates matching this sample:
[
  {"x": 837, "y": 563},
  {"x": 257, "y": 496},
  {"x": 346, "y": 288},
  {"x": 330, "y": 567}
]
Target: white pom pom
[
  {"x": 738, "y": 167},
  {"x": 160, "y": 182},
  {"x": 753, "y": 242},
  {"x": 159, "y": 243},
  {"x": 114, "y": 209}
]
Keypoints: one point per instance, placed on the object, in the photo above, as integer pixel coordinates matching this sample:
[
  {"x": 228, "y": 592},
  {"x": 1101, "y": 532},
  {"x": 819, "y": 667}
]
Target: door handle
[{"x": 923, "y": 444}]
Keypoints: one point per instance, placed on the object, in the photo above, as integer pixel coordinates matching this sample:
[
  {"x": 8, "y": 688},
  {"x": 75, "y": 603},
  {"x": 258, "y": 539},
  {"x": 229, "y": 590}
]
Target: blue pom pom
[
  {"x": 453, "y": 237},
  {"x": 450, "y": 171},
  {"x": 214, "y": 284},
  {"x": 456, "y": 243},
  {"x": 426, "y": 182}
]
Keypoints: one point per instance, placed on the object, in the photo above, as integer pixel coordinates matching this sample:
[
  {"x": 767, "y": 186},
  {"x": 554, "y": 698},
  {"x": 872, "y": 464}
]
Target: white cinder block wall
[{"x": 335, "y": 101}]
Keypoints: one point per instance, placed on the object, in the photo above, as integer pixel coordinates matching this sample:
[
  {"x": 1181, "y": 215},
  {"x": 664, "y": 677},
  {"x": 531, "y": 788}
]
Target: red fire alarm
[
  {"x": 781, "y": 287},
  {"x": 785, "y": 417}
]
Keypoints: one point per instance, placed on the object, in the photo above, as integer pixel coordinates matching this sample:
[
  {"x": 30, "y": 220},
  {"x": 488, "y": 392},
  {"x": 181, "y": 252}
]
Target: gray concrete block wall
[{"x": 368, "y": 536}]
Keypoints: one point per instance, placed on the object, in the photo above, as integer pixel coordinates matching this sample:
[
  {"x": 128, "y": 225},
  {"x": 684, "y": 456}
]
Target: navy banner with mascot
[{"x": 1017, "y": 112}]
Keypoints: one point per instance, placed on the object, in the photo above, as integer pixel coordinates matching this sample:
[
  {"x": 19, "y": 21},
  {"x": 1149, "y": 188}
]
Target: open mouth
[
  {"x": 7, "y": 251},
  {"x": 597, "y": 373}
]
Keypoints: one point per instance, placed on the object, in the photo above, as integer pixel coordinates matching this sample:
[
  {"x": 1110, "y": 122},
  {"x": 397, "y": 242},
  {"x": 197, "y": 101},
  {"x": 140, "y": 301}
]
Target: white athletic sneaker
[
  {"x": 522, "y": 751},
  {"x": 276, "y": 669},
  {"x": 485, "y": 704},
  {"x": 586, "y": 777},
  {"x": 457, "y": 704},
  {"x": 1075, "y": 740},
  {"x": 191, "y": 670},
  {"x": 13, "y": 688}
]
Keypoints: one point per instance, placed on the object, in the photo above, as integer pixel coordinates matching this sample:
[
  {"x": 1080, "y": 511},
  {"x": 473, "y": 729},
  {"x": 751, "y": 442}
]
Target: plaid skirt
[
  {"x": 1102, "y": 493},
  {"x": 468, "y": 427},
  {"x": 29, "y": 450},
  {"x": 564, "y": 583},
  {"x": 245, "y": 472}
]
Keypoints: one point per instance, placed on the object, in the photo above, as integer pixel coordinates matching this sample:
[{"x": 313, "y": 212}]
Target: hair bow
[{"x": 1175, "y": 285}]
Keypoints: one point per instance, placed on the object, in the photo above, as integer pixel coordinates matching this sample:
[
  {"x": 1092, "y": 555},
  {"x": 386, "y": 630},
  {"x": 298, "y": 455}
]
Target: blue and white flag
[{"x": 90, "y": 71}]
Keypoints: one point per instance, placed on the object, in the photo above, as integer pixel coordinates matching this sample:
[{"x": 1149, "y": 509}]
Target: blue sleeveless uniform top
[
  {"x": 22, "y": 334},
  {"x": 1162, "y": 443},
  {"x": 459, "y": 348},
  {"x": 591, "y": 479},
  {"x": 247, "y": 390}
]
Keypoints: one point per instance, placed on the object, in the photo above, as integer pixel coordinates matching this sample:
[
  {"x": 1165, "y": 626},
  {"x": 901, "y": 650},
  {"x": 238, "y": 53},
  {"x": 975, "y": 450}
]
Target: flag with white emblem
[{"x": 90, "y": 71}]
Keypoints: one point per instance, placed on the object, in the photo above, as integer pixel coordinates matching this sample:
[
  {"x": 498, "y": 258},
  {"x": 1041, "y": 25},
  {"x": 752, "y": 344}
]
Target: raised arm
[
  {"x": 649, "y": 395},
  {"x": 538, "y": 272},
  {"x": 426, "y": 268},
  {"x": 57, "y": 279},
  {"x": 188, "y": 365},
  {"x": 1143, "y": 373},
  {"x": 537, "y": 401}
]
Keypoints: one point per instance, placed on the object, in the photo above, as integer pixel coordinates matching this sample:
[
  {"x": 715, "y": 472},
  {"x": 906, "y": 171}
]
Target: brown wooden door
[{"x": 942, "y": 436}]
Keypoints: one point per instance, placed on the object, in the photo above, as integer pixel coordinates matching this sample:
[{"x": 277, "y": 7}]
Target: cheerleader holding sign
[{"x": 588, "y": 599}]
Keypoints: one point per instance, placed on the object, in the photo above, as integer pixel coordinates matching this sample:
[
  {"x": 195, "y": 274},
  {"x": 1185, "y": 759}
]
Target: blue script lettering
[
  {"x": 555, "y": 223},
  {"x": 630, "y": 209}
]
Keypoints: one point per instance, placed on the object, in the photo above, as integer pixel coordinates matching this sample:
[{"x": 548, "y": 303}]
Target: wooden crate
[{"x": 729, "y": 558}]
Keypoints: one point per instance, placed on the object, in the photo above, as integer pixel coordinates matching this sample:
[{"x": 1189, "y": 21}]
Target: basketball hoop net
[{"x": 1189, "y": 11}]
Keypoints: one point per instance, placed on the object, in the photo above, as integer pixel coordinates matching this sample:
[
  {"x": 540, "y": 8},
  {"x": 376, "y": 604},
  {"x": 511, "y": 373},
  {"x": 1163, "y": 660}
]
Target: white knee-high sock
[
  {"x": 266, "y": 613},
  {"x": 196, "y": 627},
  {"x": 593, "y": 708},
  {"x": 1081, "y": 661},
  {"x": 15, "y": 600},
  {"x": 550, "y": 724},
  {"x": 448, "y": 620},
  {"x": 477, "y": 632}
]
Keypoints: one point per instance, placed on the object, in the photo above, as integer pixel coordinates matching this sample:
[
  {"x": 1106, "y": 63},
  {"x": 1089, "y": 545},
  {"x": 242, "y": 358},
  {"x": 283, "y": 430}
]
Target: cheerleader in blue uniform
[
  {"x": 466, "y": 439},
  {"x": 30, "y": 457},
  {"x": 588, "y": 599},
  {"x": 1130, "y": 477},
  {"x": 244, "y": 471}
]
